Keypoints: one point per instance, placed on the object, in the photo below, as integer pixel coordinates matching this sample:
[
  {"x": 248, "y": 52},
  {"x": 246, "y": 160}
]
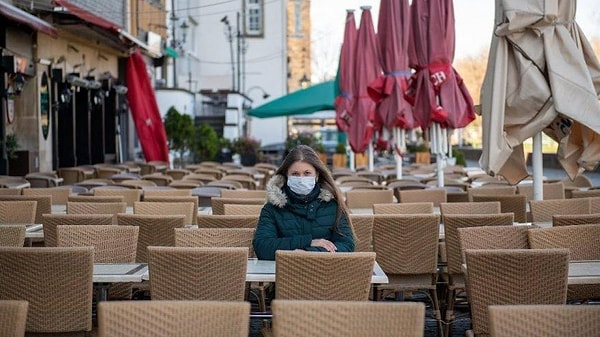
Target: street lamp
[
  {"x": 304, "y": 82},
  {"x": 229, "y": 36},
  {"x": 265, "y": 94}
]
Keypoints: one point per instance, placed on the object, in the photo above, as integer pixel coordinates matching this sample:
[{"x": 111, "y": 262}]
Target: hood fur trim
[{"x": 277, "y": 197}]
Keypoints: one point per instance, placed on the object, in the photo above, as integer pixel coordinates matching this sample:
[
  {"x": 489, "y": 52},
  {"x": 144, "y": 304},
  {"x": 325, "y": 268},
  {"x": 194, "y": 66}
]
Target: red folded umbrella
[
  {"x": 393, "y": 34},
  {"x": 343, "y": 102},
  {"x": 366, "y": 70},
  {"x": 144, "y": 109},
  {"x": 436, "y": 89}
]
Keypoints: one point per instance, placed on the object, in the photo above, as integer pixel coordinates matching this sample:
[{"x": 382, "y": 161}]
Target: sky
[{"x": 474, "y": 23}]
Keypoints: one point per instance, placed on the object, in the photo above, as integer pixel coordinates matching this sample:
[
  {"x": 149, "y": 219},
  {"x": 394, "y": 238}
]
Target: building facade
[{"x": 71, "y": 57}]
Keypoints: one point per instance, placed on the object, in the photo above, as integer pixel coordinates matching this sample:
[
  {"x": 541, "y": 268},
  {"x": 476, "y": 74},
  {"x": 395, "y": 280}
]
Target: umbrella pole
[
  {"x": 371, "y": 156},
  {"x": 437, "y": 149},
  {"x": 351, "y": 158},
  {"x": 538, "y": 167},
  {"x": 399, "y": 151}
]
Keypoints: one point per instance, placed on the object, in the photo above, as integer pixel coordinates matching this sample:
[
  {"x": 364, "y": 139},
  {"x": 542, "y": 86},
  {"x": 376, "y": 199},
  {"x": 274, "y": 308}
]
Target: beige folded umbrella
[{"x": 542, "y": 76}]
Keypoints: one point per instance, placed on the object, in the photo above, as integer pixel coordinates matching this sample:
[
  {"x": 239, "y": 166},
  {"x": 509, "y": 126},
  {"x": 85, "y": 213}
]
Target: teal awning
[
  {"x": 312, "y": 99},
  {"x": 170, "y": 52}
]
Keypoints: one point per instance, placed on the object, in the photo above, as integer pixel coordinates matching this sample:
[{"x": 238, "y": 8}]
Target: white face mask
[{"x": 301, "y": 185}]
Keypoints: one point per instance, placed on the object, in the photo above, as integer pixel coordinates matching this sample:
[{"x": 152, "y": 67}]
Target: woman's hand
[{"x": 328, "y": 245}]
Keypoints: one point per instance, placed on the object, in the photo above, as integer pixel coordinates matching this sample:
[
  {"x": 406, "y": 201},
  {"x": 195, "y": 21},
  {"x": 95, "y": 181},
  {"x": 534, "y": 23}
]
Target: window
[
  {"x": 298, "y": 18},
  {"x": 254, "y": 17}
]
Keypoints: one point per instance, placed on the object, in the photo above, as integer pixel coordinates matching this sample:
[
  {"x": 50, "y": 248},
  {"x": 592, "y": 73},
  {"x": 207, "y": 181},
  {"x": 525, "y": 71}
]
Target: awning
[
  {"x": 87, "y": 16},
  {"x": 95, "y": 20},
  {"x": 18, "y": 15},
  {"x": 315, "y": 98}
]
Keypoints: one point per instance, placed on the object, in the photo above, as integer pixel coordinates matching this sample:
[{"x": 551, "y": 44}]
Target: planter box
[
  {"x": 323, "y": 157},
  {"x": 339, "y": 160},
  {"x": 423, "y": 158},
  {"x": 361, "y": 159}
]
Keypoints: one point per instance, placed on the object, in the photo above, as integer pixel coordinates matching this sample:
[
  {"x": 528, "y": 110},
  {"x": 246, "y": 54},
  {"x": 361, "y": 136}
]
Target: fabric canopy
[
  {"x": 542, "y": 76},
  {"x": 345, "y": 75},
  {"x": 144, "y": 109},
  {"x": 302, "y": 102}
]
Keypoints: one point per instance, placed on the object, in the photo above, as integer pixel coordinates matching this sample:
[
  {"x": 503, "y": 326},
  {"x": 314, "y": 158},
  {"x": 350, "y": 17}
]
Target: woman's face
[{"x": 301, "y": 169}]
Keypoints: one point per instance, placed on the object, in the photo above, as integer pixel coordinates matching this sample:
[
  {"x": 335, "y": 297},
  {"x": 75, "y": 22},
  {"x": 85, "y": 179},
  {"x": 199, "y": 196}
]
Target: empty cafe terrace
[{"x": 113, "y": 250}]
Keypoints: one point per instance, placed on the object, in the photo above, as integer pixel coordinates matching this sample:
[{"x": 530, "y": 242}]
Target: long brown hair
[{"x": 306, "y": 154}]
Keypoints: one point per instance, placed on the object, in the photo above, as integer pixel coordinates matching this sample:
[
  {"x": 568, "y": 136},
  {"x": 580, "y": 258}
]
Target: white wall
[
  {"x": 266, "y": 59},
  {"x": 182, "y": 100}
]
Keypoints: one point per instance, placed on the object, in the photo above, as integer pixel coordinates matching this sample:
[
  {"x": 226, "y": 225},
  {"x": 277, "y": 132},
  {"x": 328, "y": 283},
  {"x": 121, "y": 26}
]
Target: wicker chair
[
  {"x": 544, "y": 320},
  {"x": 10, "y": 191},
  {"x": 247, "y": 182},
  {"x": 163, "y": 193},
  {"x": 112, "y": 244},
  {"x": 514, "y": 276},
  {"x": 435, "y": 195},
  {"x": 314, "y": 318},
  {"x": 112, "y": 208},
  {"x": 173, "y": 318},
  {"x": 366, "y": 198},
  {"x": 227, "y": 221},
  {"x": 172, "y": 208},
  {"x": 583, "y": 243},
  {"x": 191, "y": 199},
  {"x": 177, "y": 174},
  {"x": 407, "y": 251},
  {"x": 154, "y": 230},
  {"x": 215, "y": 237},
  {"x": 13, "y": 316},
  {"x": 243, "y": 194},
  {"x": 57, "y": 283},
  {"x": 51, "y": 221},
  {"x": 95, "y": 198},
  {"x": 43, "y": 203},
  {"x": 137, "y": 183},
  {"x": 456, "y": 280},
  {"x": 543, "y": 210},
  {"x": 362, "y": 226},
  {"x": 18, "y": 212},
  {"x": 516, "y": 204},
  {"x": 575, "y": 219},
  {"x": 158, "y": 178},
  {"x": 200, "y": 178},
  {"x": 235, "y": 209},
  {"x": 491, "y": 207},
  {"x": 189, "y": 273},
  {"x": 223, "y": 237},
  {"x": 318, "y": 276},
  {"x": 12, "y": 235},
  {"x": 71, "y": 175},
  {"x": 493, "y": 189},
  {"x": 493, "y": 237},
  {"x": 404, "y": 208},
  {"x": 551, "y": 191},
  {"x": 585, "y": 194},
  {"x": 129, "y": 196},
  {"x": 218, "y": 207},
  {"x": 59, "y": 195}
]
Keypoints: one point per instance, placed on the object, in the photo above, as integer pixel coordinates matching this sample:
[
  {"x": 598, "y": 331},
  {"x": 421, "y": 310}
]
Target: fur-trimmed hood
[{"x": 277, "y": 197}]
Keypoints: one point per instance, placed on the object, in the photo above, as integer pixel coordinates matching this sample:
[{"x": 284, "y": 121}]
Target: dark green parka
[{"x": 290, "y": 221}]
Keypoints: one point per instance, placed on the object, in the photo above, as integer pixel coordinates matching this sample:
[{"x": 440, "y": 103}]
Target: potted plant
[
  {"x": 247, "y": 147},
  {"x": 307, "y": 138},
  {"x": 340, "y": 157},
  {"x": 421, "y": 151}
]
